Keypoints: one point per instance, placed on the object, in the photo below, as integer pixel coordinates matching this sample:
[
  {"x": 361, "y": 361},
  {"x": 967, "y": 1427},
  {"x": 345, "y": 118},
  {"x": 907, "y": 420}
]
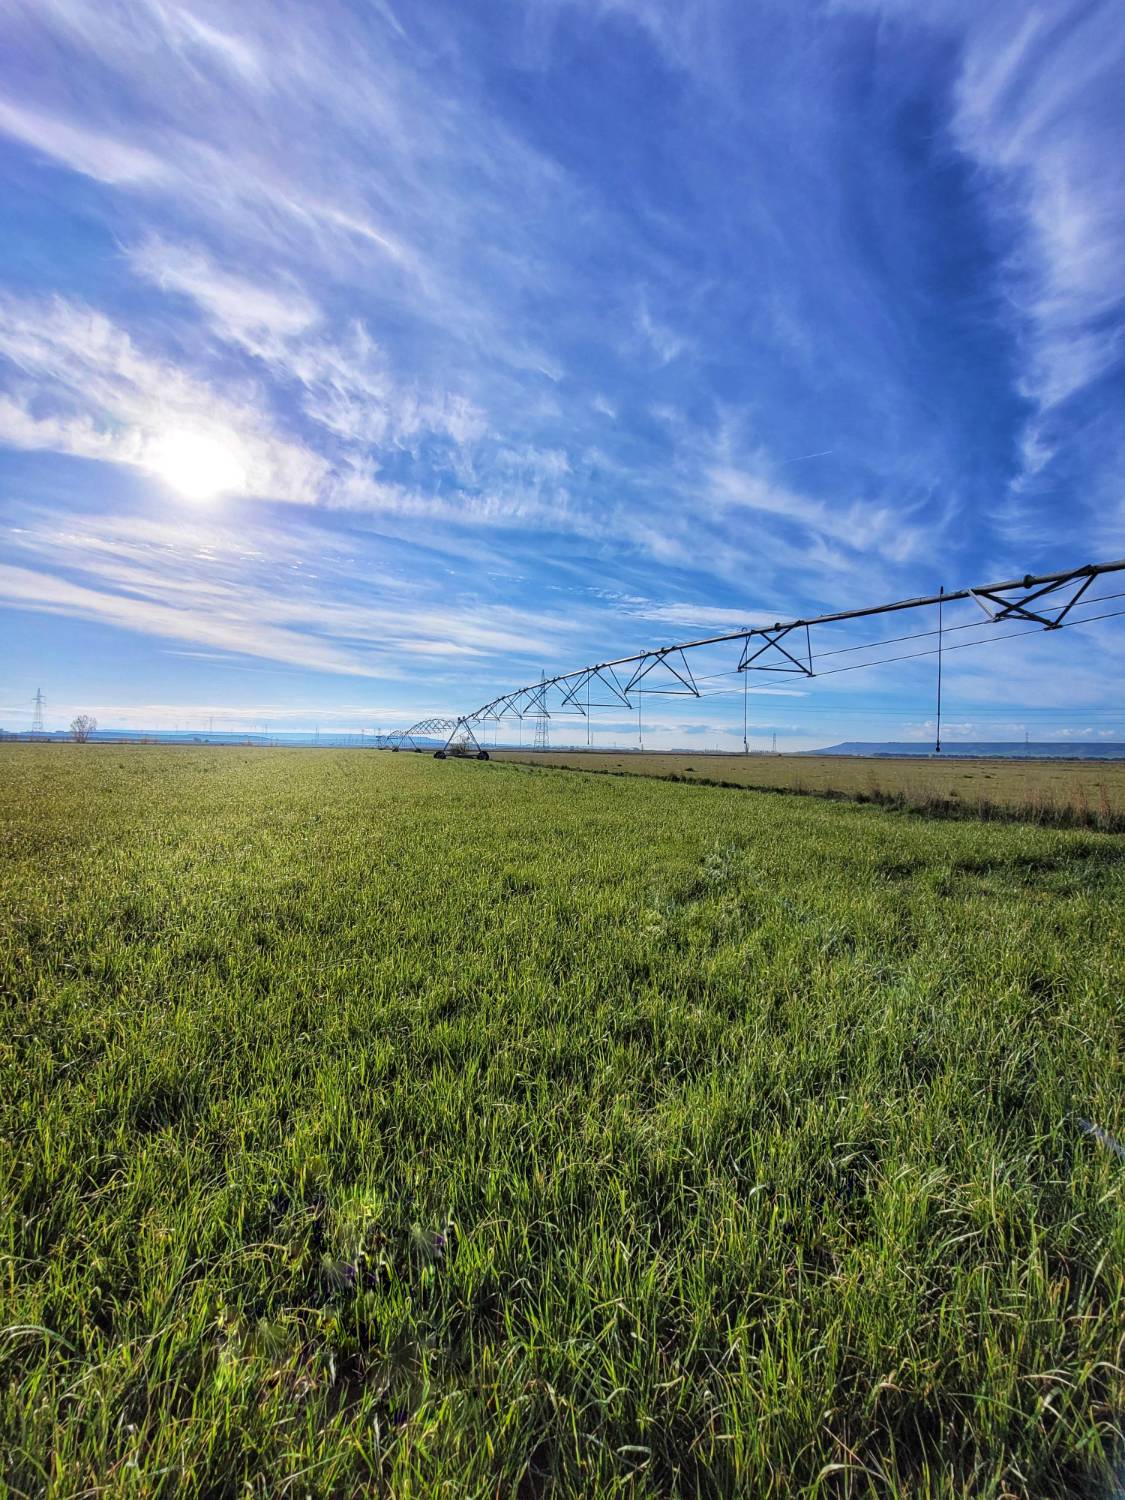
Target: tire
[
  {"x": 482, "y": 755},
  {"x": 439, "y": 754}
]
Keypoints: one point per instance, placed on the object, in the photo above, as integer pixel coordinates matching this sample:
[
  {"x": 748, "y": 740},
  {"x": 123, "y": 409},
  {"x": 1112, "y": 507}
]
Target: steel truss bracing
[
  {"x": 1045, "y": 600},
  {"x": 789, "y": 662},
  {"x": 455, "y": 735},
  {"x": 998, "y": 608}
]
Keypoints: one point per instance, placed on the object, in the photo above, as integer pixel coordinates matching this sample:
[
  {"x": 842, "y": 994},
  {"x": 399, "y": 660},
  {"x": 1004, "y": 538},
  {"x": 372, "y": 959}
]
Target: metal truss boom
[
  {"x": 772, "y": 648},
  {"x": 1045, "y": 600}
]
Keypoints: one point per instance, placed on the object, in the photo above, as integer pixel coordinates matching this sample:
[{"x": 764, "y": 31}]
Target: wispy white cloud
[
  {"x": 89, "y": 391},
  {"x": 198, "y": 87},
  {"x": 866, "y": 528},
  {"x": 1035, "y": 106},
  {"x": 665, "y": 343},
  {"x": 696, "y": 616},
  {"x": 47, "y": 593},
  {"x": 402, "y": 155},
  {"x": 76, "y": 434},
  {"x": 212, "y": 43},
  {"x": 348, "y": 385},
  {"x": 1034, "y": 103},
  {"x": 102, "y": 157},
  {"x": 110, "y": 400},
  {"x": 247, "y": 312},
  {"x": 256, "y": 591}
]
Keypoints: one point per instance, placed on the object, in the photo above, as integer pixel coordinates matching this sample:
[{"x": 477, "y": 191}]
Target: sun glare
[{"x": 199, "y": 466}]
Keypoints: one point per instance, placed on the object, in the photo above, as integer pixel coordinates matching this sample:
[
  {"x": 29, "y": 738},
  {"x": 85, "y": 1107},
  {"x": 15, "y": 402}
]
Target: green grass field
[
  {"x": 379, "y": 1125},
  {"x": 1082, "y": 792}
]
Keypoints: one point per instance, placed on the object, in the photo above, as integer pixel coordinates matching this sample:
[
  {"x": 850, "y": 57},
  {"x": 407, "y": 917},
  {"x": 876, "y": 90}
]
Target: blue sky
[{"x": 359, "y": 360}]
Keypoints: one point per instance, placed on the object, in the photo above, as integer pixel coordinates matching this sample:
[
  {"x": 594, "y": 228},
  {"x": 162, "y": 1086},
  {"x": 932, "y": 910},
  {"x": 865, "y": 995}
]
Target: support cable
[
  {"x": 862, "y": 666},
  {"x": 921, "y": 635},
  {"x": 1009, "y": 635}
]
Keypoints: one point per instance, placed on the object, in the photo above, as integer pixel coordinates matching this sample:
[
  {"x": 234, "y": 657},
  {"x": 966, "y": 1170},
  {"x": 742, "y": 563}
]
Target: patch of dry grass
[{"x": 1057, "y": 794}]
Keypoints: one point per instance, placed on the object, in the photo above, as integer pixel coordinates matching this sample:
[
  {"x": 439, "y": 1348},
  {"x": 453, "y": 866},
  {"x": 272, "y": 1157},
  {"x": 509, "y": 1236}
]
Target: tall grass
[
  {"x": 373, "y": 1124},
  {"x": 1045, "y": 808}
]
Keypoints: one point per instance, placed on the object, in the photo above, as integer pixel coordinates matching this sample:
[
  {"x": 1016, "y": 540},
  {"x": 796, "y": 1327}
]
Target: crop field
[
  {"x": 1078, "y": 791},
  {"x": 376, "y": 1125}
]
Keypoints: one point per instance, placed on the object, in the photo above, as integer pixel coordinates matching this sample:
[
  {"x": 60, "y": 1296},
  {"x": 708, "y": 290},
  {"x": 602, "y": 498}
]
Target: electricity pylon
[{"x": 542, "y": 722}]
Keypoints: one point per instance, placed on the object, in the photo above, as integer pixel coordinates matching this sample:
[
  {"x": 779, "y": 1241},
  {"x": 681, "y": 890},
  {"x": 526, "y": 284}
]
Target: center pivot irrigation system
[{"x": 1046, "y": 602}]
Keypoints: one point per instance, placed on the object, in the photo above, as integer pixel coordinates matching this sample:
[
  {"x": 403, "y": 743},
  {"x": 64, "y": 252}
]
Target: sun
[{"x": 197, "y": 464}]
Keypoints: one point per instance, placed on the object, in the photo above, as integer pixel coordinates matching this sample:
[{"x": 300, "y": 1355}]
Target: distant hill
[{"x": 982, "y": 749}]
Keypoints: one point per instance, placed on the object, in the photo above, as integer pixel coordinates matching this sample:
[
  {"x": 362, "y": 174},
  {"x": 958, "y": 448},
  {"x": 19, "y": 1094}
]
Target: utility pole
[
  {"x": 37, "y": 716},
  {"x": 775, "y": 742}
]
